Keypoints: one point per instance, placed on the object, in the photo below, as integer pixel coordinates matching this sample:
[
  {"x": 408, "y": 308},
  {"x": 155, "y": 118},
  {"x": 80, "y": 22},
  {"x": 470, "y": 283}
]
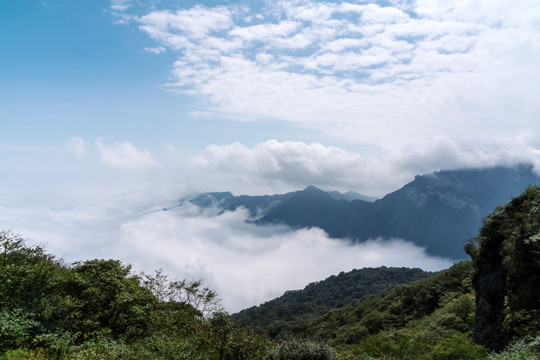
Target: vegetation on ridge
[
  {"x": 295, "y": 308},
  {"x": 98, "y": 309}
]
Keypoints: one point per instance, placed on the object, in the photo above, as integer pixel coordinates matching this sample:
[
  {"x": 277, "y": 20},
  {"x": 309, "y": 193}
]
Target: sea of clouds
[
  {"x": 104, "y": 199},
  {"x": 247, "y": 264}
]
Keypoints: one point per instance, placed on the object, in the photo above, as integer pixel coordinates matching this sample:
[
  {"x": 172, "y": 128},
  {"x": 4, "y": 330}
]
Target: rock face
[
  {"x": 506, "y": 258},
  {"x": 489, "y": 284}
]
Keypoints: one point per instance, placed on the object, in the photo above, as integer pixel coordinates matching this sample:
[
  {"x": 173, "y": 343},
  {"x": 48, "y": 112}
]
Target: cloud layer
[
  {"x": 111, "y": 209},
  {"x": 274, "y": 166},
  {"x": 248, "y": 264},
  {"x": 245, "y": 263},
  {"x": 298, "y": 164},
  {"x": 360, "y": 71},
  {"x": 124, "y": 155}
]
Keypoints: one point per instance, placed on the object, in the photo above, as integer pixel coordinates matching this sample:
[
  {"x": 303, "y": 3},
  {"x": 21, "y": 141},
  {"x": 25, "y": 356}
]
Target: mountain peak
[
  {"x": 438, "y": 211},
  {"x": 311, "y": 188}
]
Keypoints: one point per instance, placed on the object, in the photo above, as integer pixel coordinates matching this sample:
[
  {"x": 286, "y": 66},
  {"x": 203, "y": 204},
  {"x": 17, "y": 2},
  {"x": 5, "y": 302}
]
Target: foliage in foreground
[
  {"x": 301, "y": 350},
  {"x": 98, "y": 309}
]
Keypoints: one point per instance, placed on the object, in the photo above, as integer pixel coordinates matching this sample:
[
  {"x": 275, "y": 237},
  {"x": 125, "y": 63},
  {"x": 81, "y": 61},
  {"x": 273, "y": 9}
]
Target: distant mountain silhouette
[
  {"x": 438, "y": 211},
  {"x": 225, "y": 201},
  {"x": 350, "y": 196}
]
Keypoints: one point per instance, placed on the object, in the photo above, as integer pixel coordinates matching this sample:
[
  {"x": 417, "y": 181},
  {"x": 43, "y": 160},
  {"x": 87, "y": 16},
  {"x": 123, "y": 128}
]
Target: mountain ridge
[
  {"x": 296, "y": 307},
  {"x": 438, "y": 211}
]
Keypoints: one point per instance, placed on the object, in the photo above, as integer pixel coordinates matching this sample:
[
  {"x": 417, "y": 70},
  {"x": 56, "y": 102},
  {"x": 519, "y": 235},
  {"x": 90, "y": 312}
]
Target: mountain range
[{"x": 438, "y": 211}]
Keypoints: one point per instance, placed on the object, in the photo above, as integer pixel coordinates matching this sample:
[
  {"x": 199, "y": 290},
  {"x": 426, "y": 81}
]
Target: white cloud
[
  {"x": 195, "y": 23},
  {"x": 248, "y": 264},
  {"x": 293, "y": 165},
  {"x": 120, "y": 5},
  {"x": 262, "y": 168},
  {"x": 362, "y": 72},
  {"x": 155, "y": 50},
  {"x": 265, "y": 32},
  {"x": 124, "y": 155},
  {"x": 76, "y": 145},
  {"x": 296, "y": 163},
  {"x": 245, "y": 263}
]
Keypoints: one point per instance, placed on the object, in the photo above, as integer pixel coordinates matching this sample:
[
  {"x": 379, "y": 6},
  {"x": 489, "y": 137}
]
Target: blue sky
[
  {"x": 74, "y": 71},
  {"x": 111, "y": 108}
]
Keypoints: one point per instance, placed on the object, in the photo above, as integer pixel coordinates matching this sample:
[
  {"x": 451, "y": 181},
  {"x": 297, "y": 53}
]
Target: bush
[
  {"x": 301, "y": 350},
  {"x": 23, "y": 354},
  {"x": 399, "y": 347},
  {"x": 16, "y": 328},
  {"x": 526, "y": 349},
  {"x": 458, "y": 347}
]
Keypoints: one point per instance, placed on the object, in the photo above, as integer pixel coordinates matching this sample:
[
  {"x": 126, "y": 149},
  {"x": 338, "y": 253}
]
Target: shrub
[
  {"x": 301, "y": 350},
  {"x": 458, "y": 347},
  {"x": 23, "y": 354},
  {"x": 525, "y": 349},
  {"x": 16, "y": 328}
]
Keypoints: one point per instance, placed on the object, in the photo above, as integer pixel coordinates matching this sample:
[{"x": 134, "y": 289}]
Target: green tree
[
  {"x": 190, "y": 292},
  {"x": 107, "y": 299}
]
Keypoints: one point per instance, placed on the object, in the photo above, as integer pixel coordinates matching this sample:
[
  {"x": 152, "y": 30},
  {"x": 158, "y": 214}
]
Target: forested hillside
[
  {"x": 493, "y": 301},
  {"x": 294, "y": 308}
]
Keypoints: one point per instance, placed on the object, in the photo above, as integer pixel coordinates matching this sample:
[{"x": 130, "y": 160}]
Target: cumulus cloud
[
  {"x": 297, "y": 164},
  {"x": 124, "y": 155},
  {"x": 293, "y": 163},
  {"x": 155, "y": 50},
  {"x": 364, "y": 72},
  {"x": 196, "y": 23},
  {"x": 76, "y": 145}
]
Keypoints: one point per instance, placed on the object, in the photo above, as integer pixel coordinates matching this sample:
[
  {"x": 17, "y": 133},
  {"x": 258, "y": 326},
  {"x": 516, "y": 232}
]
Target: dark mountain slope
[
  {"x": 226, "y": 201},
  {"x": 314, "y": 207},
  {"x": 350, "y": 196},
  {"x": 439, "y": 211},
  {"x": 442, "y": 210},
  {"x": 294, "y": 308},
  {"x": 440, "y": 227}
]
